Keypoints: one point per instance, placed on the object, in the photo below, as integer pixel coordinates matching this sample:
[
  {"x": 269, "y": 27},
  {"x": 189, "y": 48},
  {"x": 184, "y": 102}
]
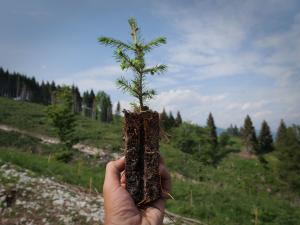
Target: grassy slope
[
  {"x": 32, "y": 117},
  {"x": 228, "y": 194}
]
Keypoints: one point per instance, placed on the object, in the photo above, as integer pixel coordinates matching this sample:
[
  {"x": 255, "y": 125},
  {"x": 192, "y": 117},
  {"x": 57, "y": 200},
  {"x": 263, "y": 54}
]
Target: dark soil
[{"x": 141, "y": 131}]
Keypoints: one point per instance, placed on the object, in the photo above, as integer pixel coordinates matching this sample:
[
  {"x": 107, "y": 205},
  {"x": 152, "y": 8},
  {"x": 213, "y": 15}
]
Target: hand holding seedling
[
  {"x": 141, "y": 129},
  {"x": 119, "y": 206}
]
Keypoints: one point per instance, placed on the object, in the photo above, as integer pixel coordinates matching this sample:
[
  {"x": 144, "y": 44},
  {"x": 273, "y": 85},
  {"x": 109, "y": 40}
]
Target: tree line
[{"x": 20, "y": 87}]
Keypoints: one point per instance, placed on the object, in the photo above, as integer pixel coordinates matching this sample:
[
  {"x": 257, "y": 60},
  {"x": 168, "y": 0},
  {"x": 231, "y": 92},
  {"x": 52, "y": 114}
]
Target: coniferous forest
[{"x": 20, "y": 87}]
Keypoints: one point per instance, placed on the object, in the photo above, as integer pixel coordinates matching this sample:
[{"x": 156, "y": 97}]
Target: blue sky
[{"x": 231, "y": 58}]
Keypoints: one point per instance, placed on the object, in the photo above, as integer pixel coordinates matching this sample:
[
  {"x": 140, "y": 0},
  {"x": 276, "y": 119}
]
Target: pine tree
[
  {"x": 236, "y": 131},
  {"x": 171, "y": 120},
  {"x": 178, "y": 120},
  {"x": 249, "y": 135},
  {"x": 265, "y": 139},
  {"x": 109, "y": 111},
  {"x": 229, "y": 130},
  {"x": 164, "y": 120},
  {"x": 281, "y": 132},
  {"x": 118, "y": 109},
  {"x": 212, "y": 131},
  {"x": 92, "y": 104},
  {"x": 138, "y": 48}
]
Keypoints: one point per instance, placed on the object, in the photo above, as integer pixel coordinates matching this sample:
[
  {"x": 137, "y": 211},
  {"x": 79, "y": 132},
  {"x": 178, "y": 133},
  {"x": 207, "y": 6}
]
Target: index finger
[{"x": 112, "y": 173}]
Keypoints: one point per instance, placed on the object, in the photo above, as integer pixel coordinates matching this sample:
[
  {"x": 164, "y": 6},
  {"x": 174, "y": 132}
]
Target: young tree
[
  {"x": 212, "y": 131},
  {"x": 178, "y": 120},
  {"x": 265, "y": 139},
  {"x": 249, "y": 135},
  {"x": 62, "y": 117},
  {"x": 138, "y": 48}
]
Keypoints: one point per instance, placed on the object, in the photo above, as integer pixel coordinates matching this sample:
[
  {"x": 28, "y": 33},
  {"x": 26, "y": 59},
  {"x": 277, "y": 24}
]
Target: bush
[
  {"x": 193, "y": 139},
  {"x": 188, "y": 138},
  {"x": 224, "y": 139}
]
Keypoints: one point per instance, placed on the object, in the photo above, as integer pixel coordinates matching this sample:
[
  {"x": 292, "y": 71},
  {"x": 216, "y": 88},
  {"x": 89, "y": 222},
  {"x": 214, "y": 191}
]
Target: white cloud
[
  {"x": 262, "y": 114},
  {"x": 253, "y": 105},
  {"x": 179, "y": 98},
  {"x": 220, "y": 39},
  {"x": 98, "y": 78}
]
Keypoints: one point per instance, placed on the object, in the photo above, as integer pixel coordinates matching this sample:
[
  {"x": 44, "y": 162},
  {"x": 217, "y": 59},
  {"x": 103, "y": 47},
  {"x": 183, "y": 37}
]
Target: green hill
[{"x": 238, "y": 190}]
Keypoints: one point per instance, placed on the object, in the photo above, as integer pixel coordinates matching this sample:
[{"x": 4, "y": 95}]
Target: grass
[
  {"x": 228, "y": 205},
  {"x": 32, "y": 117},
  {"x": 77, "y": 173},
  {"x": 233, "y": 192},
  {"x": 24, "y": 115},
  {"x": 210, "y": 201},
  {"x": 230, "y": 193}
]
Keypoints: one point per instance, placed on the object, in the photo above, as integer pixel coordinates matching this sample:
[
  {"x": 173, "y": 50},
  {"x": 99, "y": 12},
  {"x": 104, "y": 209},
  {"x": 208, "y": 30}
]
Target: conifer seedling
[
  {"x": 141, "y": 127},
  {"x": 137, "y": 48}
]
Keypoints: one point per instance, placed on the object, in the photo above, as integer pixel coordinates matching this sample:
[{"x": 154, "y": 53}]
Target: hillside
[{"x": 238, "y": 190}]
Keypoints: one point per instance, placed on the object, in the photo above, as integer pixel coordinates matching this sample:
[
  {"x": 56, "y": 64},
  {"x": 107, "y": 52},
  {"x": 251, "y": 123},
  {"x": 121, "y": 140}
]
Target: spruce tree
[
  {"x": 281, "y": 133},
  {"x": 178, "y": 120},
  {"x": 138, "y": 48},
  {"x": 171, "y": 120},
  {"x": 249, "y": 135},
  {"x": 164, "y": 120},
  {"x": 118, "y": 109},
  {"x": 212, "y": 131},
  {"x": 235, "y": 131},
  {"x": 229, "y": 130},
  {"x": 109, "y": 111},
  {"x": 265, "y": 139}
]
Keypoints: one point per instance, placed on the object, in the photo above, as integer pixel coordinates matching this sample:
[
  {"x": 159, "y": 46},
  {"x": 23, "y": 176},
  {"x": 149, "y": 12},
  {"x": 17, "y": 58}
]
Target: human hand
[{"x": 119, "y": 207}]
